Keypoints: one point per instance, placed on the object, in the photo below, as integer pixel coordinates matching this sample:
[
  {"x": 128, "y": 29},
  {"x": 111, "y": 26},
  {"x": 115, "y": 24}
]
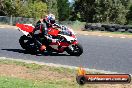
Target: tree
[
  {"x": 52, "y": 7},
  {"x": 114, "y": 11},
  {"x": 110, "y": 11},
  {"x": 38, "y": 9},
  {"x": 24, "y": 8},
  {"x": 63, "y": 9},
  {"x": 85, "y": 9},
  {"x": 129, "y": 16},
  {"x": 7, "y": 7},
  {"x": 2, "y": 12},
  {"x": 126, "y": 3}
]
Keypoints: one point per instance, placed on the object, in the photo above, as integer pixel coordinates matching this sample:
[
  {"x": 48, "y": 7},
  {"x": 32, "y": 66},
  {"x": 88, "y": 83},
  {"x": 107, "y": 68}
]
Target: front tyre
[{"x": 75, "y": 50}]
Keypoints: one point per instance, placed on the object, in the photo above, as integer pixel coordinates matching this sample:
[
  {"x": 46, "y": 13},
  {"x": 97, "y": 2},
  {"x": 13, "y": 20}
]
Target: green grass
[
  {"x": 34, "y": 66},
  {"x": 10, "y": 82},
  {"x": 7, "y": 81},
  {"x": 62, "y": 70},
  {"x": 27, "y": 65}
]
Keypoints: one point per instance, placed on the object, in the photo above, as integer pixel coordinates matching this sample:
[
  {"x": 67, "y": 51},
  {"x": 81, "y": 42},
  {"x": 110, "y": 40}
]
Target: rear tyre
[
  {"x": 75, "y": 50},
  {"x": 22, "y": 42},
  {"x": 27, "y": 43}
]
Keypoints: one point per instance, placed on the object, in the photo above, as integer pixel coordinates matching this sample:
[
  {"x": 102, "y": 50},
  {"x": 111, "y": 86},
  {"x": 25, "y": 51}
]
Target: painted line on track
[
  {"x": 85, "y": 34},
  {"x": 111, "y": 36},
  {"x": 2, "y": 27},
  {"x": 107, "y": 36},
  {"x": 60, "y": 65},
  {"x": 122, "y": 37},
  {"x": 100, "y": 35}
]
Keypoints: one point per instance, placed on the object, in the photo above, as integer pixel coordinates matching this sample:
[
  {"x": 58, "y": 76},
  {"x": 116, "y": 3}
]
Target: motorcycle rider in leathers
[{"x": 42, "y": 26}]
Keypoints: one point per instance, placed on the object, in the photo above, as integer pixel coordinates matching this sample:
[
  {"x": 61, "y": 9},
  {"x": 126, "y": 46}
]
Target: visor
[{"x": 52, "y": 21}]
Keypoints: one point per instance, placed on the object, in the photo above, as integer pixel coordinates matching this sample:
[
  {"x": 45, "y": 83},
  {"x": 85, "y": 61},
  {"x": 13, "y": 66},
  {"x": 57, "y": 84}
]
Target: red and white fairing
[
  {"x": 72, "y": 38},
  {"x": 69, "y": 39},
  {"x": 25, "y": 28}
]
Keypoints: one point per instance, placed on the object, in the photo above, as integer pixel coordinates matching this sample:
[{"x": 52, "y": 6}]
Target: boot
[{"x": 42, "y": 48}]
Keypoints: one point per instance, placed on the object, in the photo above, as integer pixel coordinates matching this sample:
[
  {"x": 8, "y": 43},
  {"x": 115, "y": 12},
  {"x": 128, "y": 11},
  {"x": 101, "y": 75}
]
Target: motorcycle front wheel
[{"x": 75, "y": 50}]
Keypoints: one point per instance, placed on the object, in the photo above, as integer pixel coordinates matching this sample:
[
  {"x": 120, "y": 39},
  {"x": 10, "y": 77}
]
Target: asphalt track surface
[{"x": 101, "y": 53}]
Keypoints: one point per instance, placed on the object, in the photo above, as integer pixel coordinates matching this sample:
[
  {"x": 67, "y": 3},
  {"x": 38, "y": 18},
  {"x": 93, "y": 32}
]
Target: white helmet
[{"x": 51, "y": 18}]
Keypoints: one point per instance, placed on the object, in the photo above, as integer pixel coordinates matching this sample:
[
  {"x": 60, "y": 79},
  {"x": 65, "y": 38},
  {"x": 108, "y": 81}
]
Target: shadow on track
[{"x": 37, "y": 54}]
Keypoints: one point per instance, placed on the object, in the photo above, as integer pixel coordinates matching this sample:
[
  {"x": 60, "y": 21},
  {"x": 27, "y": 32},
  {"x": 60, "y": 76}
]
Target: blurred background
[{"x": 79, "y": 14}]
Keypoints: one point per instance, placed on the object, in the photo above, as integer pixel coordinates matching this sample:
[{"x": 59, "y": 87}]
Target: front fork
[{"x": 71, "y": 46}]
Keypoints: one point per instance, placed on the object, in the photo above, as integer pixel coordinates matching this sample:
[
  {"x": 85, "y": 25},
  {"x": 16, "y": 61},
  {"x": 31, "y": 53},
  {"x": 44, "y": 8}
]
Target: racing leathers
[{"x": 42, "y": 27}]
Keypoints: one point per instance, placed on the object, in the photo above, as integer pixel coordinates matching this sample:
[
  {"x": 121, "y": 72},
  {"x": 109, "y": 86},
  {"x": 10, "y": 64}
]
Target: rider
[{"x": 42, "y": 25}]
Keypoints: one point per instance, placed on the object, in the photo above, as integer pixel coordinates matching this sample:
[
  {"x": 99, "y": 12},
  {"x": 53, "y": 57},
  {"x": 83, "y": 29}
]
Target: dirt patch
[
  {"x": 45, "y": 74},
  {"x": 14, "y": 71},
  {"x": 23, "y": 72}
]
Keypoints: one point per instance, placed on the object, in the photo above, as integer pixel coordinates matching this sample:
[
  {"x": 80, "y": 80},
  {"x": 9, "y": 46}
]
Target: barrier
[
  {"x": 108, "y": 27},
  {"x": 13, "y": 20}
]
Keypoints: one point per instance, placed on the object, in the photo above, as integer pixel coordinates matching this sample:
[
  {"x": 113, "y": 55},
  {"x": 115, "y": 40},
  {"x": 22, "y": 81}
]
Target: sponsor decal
[{"x": 83, "y": 78}]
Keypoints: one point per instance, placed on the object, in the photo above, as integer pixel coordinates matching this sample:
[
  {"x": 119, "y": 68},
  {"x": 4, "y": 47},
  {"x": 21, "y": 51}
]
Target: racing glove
[{"x": 55, "y": 40}]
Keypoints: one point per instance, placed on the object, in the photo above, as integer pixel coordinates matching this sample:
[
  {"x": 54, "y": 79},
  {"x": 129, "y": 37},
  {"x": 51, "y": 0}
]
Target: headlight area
[{"x": 72, "y": 41}]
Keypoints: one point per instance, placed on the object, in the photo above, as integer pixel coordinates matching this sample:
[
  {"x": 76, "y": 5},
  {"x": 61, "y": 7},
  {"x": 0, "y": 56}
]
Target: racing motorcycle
[{"x": 67, "y": 40}]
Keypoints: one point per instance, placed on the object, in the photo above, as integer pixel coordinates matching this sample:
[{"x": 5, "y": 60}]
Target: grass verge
[
  {"x": 15, "y": 74},
  {"x": 11, "y": 82}
]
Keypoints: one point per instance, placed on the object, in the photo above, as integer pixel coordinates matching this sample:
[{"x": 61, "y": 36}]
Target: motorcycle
[{"x": 67, "y": 40}]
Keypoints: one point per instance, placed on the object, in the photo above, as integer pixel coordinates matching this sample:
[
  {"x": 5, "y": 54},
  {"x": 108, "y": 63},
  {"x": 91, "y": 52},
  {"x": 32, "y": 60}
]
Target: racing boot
[{"x": 42, "y": 48}]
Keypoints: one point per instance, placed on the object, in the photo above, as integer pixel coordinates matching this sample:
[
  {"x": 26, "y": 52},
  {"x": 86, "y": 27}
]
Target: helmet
[{"x": 51, "y": 18}]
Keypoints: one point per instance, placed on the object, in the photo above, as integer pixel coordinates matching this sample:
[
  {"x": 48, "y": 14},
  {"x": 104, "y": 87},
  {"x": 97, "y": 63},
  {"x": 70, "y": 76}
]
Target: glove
[
  {"x": 63, "y": 28},
  {"x": 55, "y": 40}
]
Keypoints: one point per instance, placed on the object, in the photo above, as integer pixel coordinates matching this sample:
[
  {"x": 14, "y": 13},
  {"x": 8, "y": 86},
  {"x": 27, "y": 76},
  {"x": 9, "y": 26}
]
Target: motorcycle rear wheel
[{"x": 27, "y": 43}]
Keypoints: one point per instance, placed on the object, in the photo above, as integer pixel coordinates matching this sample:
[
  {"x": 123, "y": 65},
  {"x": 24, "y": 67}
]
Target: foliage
[
  {"x": 52, "y": 7},
  {"x": 129, "y": 15},
  {"x": 126, "y": 3},
  {"x": 32, "y": 66},
  {"x": 38, "y": 9},
  {"x": 30, "y": 8},
  {"x": 114, "y": 12},
  {"x": 7, "y": 7},
  {"x": 63, "y": 9},
  {"x": 110, "y": 11}
]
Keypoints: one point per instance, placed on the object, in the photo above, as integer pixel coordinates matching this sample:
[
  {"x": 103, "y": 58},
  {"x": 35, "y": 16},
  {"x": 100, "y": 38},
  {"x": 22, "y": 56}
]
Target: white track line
[
  {"x": 108, "y": 36},
  {"x": 85, "y": 34},
  {"x": 122, "y": 37},
  {"x": 2, "y": 27},
  {"x": 111, "y": 36},
  {"x": 100, "y": 35},
  {"x": 59, "y": 65}
]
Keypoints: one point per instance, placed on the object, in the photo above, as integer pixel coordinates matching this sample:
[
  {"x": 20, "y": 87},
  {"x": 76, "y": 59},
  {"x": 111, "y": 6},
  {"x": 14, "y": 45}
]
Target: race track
[{"x": 101, "y": 53}]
